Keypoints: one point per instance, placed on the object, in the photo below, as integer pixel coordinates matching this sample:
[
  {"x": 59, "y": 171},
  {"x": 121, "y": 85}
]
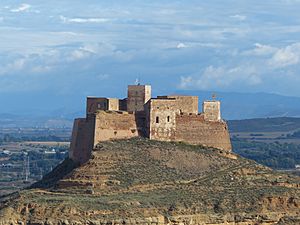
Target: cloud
[
  {"x": 21, "y": 8},
  {"x": 221, "y": 78},
  {"x": 84, "y": 20},
  {"x": 16, "y": 65},
  {"x": 91, "y": 49},
  {"x": 261, "y": 50},
  {"x": 288, "y": 56},
  {"x": 181, "y": 45},
  {"x": 239, "y": 17}
]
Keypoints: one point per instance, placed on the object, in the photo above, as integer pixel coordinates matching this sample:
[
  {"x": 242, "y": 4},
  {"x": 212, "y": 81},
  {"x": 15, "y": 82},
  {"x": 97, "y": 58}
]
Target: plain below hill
[
  {"x": 140, "y": 181},
  {"x": 279, "y": 124}
]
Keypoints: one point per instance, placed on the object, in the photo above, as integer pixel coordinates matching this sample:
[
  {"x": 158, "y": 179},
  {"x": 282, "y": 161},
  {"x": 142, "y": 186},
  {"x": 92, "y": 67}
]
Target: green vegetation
[
  {"x": 281, "y": 124},
  {"x": 13, "y": 138},
  {"x": 275, "y": 155}
]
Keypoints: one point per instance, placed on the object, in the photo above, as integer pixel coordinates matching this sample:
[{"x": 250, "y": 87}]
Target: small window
[
  {"x": 157, "y": 119},
  {"x": 99, "y": 106},
  {"x": 168, "y": 118}
]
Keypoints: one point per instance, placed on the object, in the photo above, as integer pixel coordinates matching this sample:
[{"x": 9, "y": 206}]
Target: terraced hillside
[{"x": 139, "y": 181}]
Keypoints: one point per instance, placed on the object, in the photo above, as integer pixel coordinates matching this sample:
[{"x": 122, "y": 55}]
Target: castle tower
[
  {"x": 94, "y": 103},
  {"x": 138, "y": 95},
  {"x": 212, "y": 110}
]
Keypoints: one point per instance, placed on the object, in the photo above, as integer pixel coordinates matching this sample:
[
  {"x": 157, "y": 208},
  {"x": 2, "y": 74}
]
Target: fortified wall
[{"x": 165, "y": 118}]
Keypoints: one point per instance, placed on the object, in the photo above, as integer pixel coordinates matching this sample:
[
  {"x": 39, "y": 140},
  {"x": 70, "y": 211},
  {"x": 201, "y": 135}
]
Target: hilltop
[{"x": 141, "y": 181}]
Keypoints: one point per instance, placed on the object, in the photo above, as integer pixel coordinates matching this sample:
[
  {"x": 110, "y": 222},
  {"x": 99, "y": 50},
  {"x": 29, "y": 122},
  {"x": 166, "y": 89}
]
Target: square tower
[
  {"x": 212, "y": 110},
  {"x": 94, "y": 104},
  {"x": 138, "y": 95}
]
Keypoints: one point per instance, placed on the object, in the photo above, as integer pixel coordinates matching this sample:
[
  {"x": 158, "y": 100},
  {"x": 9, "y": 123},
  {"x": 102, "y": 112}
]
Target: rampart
[
  {"x": 195, "y": 130},
  {"x": 82, "y": 139},
  {"x": 116, "y": 125}
]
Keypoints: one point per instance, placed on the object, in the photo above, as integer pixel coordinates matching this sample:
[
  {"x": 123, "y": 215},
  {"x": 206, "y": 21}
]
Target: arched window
[
  {"x": 168, "y": 118},
  {"x": 157, "y": 119}
]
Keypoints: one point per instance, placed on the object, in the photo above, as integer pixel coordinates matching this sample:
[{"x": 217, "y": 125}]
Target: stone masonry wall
[
  {"x": 115, "y": 125},
  {"x": 194, "y": 129},
  {"x": 211, "y": 110},
  {"x": 82, "y": 139},
  {"x": 137, "y": 96},
  {"x": 94, "y": 104},
  {"x": 184, "y": 104},
  {"x": 161, "y": 114}
]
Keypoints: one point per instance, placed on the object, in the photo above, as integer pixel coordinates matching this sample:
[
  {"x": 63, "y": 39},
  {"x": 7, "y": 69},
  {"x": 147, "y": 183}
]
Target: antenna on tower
[
  {"x": 137, "y": 81},
  {"x": 214, "y": 96}
]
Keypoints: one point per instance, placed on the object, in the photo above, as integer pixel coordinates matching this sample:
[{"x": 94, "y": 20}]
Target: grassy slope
[{"x": 138, "y": 177}]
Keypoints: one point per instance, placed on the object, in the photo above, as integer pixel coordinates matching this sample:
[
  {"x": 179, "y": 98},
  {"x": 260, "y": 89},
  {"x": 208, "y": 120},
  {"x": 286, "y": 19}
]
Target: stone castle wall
[
  {"x": 161, "y": 115},
  {"x": 138, "y": 95},
  {"x": 165, "y": 118},
  {"x": 82, "y": 139},
  {"x": 115, "y": 125},
  {"x": 103, "y": 126},
  {"x": 212, "y": 110},
  {"x": 194, "y": 129},
  {"x": 184, "y": 104}
]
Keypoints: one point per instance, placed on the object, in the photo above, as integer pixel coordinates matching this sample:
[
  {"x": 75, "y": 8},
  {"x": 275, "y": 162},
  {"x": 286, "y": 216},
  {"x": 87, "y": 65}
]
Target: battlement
[{"x": 165, "y": 118}]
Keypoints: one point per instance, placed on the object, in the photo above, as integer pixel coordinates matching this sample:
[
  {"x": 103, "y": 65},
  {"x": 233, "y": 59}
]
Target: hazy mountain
[{"x": 41, "y": 110}]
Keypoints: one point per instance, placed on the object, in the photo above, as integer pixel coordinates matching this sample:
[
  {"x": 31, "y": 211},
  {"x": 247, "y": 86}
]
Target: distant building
[{"x": 165, "y": 118}]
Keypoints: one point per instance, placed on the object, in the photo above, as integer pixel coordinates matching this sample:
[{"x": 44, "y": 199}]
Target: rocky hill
[{"x": 139, "y": 181}]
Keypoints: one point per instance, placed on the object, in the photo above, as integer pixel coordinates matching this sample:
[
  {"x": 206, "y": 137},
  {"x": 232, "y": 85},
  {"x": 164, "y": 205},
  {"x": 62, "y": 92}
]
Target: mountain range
[{"x": 40, "y": 108}]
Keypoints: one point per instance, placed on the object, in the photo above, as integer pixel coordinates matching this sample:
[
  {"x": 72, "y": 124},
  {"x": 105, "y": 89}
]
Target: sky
[{"x": 59, "y": 51}]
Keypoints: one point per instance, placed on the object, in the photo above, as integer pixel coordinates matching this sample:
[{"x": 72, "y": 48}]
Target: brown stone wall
[
  {"x": 115, "y": 125},
  {"x": 138, "y": 95},
  {"x": 82, "y": 139},
  {"x": 113, "y": 104},
  {"x": 194, "y": 129},
  {"x": 161, "y": 114},
  {"x": 185, "y": 104},
  {"x": 94, "y": 104},
  {"x": 212, "y": 110}
]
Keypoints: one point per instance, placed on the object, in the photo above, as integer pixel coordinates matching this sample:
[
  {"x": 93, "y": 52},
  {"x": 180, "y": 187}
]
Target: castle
[{"x": 165, "y": 118}]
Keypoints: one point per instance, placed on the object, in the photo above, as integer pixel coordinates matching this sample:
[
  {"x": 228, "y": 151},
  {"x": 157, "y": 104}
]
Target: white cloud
[
  {"x": 83, "y": 20},
  {"x": 41, "y": 69},
  {"x": 239, "y": 17},
  {"x": 261, "y": 49},
  {"x": 21, "y": 8},
  {"x": 16, "y": 65},
  {"x": 185, "y": 82},
  {"x": 287, "y": 56},
  {"x": 90, "y": 49},
  {"x": 181, "y": 45},
  {"x": 221, "y": 77}
]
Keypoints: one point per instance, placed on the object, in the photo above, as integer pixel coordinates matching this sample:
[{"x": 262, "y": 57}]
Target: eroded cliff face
[{"x": 139, "y": 181}]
